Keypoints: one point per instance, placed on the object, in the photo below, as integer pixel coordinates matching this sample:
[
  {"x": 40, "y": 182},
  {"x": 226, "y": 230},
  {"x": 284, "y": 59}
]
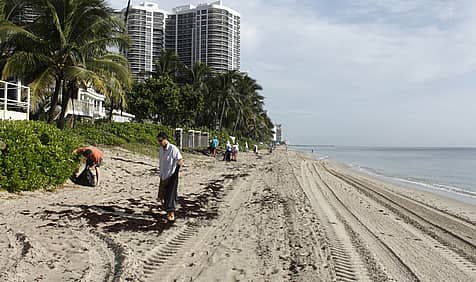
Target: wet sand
[{"x": 273, "y": 217}]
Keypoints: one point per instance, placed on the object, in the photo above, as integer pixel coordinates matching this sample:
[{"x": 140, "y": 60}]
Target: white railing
[
  {"x": 89, "y": 104},
  {"x": 85, "y": 108},
  {"x": 14, "y": 101}
]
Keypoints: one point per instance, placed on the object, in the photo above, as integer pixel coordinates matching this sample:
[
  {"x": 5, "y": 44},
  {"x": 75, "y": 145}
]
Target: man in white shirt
[{"x": 170, "y": 161}]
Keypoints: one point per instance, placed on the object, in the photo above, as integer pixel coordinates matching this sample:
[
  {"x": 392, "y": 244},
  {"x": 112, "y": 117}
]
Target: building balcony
[
  {"x": 14, "y": 101},
  {"x": 89, "y": 104}
]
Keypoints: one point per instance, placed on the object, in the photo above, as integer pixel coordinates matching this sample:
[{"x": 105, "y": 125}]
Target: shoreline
[
  {"x": 462, "y": 197},
  {"x": 456, "y": 204},
  {"x": 451, "y": 192}
]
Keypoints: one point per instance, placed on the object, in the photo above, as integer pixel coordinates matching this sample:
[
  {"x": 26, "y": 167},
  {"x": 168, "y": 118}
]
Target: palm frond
[
  {"x": 42, "y": 83},
  {"x": 57, "y": 22},
  {"x": 22, "y": 63}
]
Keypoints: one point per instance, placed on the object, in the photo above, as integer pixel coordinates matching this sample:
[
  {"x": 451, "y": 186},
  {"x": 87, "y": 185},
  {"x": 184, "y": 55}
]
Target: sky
[{"x": 362, "y": 72}]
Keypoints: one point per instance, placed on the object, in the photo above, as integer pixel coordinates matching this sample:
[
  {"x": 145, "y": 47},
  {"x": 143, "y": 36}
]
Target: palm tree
[
  {"x": 198, "y": 75},
  {"x": 224, "y": 91},
  {"x": 168, "y": 64},
  {"x": 250, "y": 101},
  {"x": 66, "y": 45},
  {"x": 115, "y": 93}
]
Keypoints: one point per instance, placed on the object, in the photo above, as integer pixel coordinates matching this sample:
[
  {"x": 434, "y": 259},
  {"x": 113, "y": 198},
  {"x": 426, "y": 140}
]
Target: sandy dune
[{"x": 273, "y": 217}]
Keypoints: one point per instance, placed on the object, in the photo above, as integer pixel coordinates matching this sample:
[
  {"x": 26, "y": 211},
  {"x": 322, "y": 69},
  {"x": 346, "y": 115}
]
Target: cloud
[{"x": 353, "y": 67}]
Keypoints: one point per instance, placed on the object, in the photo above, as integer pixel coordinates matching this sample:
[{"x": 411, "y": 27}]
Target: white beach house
[
  {"x": 89, "y": 104},
  {"x": 14, "y": 101},
  {"x": 15, "y": 104}
]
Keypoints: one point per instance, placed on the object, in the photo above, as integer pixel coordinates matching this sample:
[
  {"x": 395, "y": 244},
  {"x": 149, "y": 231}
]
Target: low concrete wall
[{"x": 9, "y": 115}]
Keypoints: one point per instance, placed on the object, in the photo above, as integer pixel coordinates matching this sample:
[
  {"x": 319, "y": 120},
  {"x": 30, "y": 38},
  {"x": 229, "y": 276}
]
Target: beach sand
[{"x": 273, "y": 217}]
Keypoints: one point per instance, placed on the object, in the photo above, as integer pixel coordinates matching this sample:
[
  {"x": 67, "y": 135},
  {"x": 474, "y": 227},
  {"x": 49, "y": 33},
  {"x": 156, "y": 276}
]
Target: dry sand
[{"x": 273, "y": 217}]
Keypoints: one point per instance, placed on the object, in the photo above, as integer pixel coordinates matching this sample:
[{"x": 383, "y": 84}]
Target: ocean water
[{"x": 447, "y": 171}]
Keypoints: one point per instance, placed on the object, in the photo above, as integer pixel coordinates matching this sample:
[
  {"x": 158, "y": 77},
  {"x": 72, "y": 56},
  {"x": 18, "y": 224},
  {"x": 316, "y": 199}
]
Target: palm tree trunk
[
  {"x": 222, "y": 112},
  {"x": 111, "y": 109},
  {"x": 64, "y": 107},
  {"x": 72, "y": 116},
  {"x": 215, "y": 114},
  {"x": 54, "y": 100},
  {"x": 236, "y": 123}
]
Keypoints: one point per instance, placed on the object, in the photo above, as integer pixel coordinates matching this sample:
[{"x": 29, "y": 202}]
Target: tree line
[{"x": 66, "y": 45}]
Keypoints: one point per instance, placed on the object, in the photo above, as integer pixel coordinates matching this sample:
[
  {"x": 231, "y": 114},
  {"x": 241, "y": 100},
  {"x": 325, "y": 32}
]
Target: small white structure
[
  {"x": 119, "y": 116},
  {"x": 14, "y": 101},
  {"x": 89, "y": 104},
  {"x": 191, "y": 138}
]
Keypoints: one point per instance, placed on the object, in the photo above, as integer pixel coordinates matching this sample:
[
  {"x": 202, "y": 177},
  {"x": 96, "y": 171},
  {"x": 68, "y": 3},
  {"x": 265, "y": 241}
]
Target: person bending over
[{"x": 93, "y": 157}]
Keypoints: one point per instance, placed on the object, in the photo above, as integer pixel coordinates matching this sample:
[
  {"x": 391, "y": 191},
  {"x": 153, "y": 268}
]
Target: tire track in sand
[
  {"x": 160, "y": 254},
  {"x": 162, "y": 262},
  {"x": 451, "y": 244},
  {"x": 344, "y": 259},
  {"x": 361, "y": 237}
]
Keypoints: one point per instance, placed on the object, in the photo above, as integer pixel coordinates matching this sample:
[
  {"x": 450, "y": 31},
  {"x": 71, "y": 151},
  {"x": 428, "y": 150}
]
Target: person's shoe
[{"x": 171, "y": 216}]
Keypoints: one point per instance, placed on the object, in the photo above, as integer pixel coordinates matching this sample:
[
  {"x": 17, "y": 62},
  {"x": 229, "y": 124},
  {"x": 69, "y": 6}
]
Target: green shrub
[
  {"x": 96, "y": 135},
  {"x": 36, "y": 155},
  {"x": 137, "y": 137},
  {"x": 119, "y": 134}
]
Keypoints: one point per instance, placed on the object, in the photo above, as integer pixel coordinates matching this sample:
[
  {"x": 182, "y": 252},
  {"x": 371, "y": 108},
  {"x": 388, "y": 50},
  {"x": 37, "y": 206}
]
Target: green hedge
[
  {"x": 118, "y": 134},
  {"x": 36, "y": 155}
]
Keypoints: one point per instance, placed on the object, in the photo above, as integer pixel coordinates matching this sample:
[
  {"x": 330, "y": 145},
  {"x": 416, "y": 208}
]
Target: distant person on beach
[
  {"x": 234, "y": 152},
  {"x": 170, "y": 161},
  {"x": 246, "y": 146},
  {"x": 94, "y": 158},
  {"x": 255, "y": 149},
  {"x": 227, "y": 156},
  {"x": 214, "y": 146}
]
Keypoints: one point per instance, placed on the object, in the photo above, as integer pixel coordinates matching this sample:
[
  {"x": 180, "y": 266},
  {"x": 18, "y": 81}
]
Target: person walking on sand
[
  {"x": 170, "y": 161},
  {"x": 214, "y": 146},
  {"x": 235, "y": 151},
  {"x": 93, "y": 157},
  {"x": 227, "y": 156}
]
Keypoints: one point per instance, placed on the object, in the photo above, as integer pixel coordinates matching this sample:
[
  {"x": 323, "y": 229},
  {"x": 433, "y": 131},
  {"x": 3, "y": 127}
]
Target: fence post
[
  {"x": 191, "y": 136},
  {"x": 5, "y": 101},
  {"x": 28, "y": 103},
  {"x": 179, "y": 137},
  {"x": 206, "y": 138},
  {"x": 197, "y": 140},
  {"x": 19, "y": 91}
]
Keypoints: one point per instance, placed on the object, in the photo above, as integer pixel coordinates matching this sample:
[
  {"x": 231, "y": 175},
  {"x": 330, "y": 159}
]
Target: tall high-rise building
[
  {"x": 278, "y": 133},
  {"x": 146, "y": 29},
  {"x": 208, "y": 33}
]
